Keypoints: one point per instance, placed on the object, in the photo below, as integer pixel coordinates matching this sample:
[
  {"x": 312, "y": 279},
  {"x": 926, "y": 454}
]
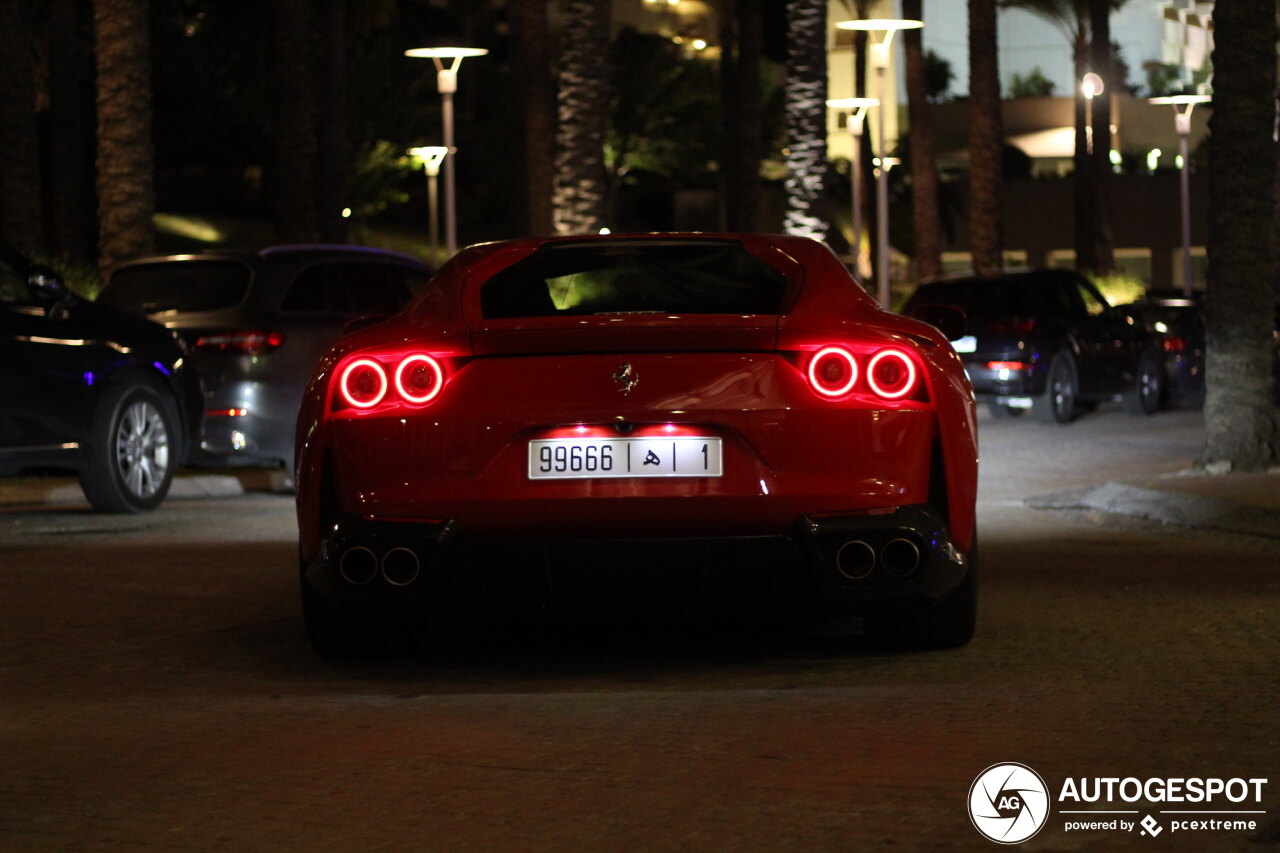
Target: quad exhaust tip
[
  {"x": 857, "y": 559},
  {"x": 358, "y": 565},
  {"x": 900, "y": 557},
  {"x": 400, "y": 566}
]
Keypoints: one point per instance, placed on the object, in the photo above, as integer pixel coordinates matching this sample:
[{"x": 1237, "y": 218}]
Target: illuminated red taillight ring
[
  {"x": 816, "y": 380},
  {"x": 411, "y": 363},
  {"x": 900, "y": 388},
  {"x": 344, "y": 384}
]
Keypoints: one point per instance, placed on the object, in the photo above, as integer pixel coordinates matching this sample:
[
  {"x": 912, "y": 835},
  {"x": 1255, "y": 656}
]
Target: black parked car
[
  {"x": 256, "y": 323},
  {"x": 1178, "y": 324},
  {"x": 1045, "y": 340},
  {"x": 91, "y": 389}
]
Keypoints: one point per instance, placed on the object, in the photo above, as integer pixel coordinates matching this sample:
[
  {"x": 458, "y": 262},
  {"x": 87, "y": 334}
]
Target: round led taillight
[
  {"x": 364, "y": 383},
  {"x": 832, "y": 371},
  {"x": 419, "y": 378},
  {"x": 891, "y": 374}
]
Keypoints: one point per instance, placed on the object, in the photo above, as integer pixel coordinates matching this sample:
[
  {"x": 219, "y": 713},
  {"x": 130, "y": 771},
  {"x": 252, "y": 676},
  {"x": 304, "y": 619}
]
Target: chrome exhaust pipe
[
  {"x": 358, "y": 565},
  {"x": 855, "y": 559},
  {"x": 900, "y": 557},
  {"x": 400, "y": 566}
]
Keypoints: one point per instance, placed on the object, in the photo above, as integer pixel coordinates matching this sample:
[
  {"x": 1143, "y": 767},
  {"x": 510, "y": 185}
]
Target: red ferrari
[{"x": 708, "y": 405}]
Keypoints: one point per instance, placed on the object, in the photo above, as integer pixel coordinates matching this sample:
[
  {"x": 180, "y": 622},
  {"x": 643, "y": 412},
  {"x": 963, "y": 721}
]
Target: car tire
[
  {"x": 132, "y": 450},
  {"x": 331, "y": 634},
  {"x": 946, "y": 624},
  {"x": 1060, "y": 399},
  {"x": 1148, "y": 385}
]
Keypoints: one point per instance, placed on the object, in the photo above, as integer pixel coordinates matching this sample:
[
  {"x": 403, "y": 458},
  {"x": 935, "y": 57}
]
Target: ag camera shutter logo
[{"x": 1008, "y": 803}]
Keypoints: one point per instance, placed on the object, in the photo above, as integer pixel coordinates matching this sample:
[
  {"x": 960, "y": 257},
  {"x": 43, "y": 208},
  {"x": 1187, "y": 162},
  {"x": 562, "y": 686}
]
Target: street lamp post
[
  {"x": 855, "y": 112},
  {"x": 446, "y": 85},
  {"x": 432, "y": 156},
  {"x": 1182, "y": 125},
  {"x": 884, "y": 28}
]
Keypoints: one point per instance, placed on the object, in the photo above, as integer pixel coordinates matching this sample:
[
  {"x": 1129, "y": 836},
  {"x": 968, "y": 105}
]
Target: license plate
[{"x": 583, "y": 458}]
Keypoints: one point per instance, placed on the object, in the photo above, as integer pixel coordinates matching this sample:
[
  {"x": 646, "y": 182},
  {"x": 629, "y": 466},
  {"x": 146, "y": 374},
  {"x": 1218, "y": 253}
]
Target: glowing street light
[
  {"x": 881, "y": 32},
  {"x": 855, "y": 112},
  {"x": 1182, "y": 125},
  {"x": 1091, "y": 86},
  {"x": 446, "y": 85},
  {"x": 432, "y": 156}
]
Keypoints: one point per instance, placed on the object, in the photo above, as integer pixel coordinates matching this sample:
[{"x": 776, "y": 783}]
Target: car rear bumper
[{"x": 838, "y": 565}]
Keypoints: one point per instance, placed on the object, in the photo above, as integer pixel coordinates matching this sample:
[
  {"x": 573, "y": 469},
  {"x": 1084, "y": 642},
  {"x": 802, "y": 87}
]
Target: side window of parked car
[
  {"x": 347, "y": 288},
  {"x": 372, "y": 288},
  {"x": 1094, "y": 304}
]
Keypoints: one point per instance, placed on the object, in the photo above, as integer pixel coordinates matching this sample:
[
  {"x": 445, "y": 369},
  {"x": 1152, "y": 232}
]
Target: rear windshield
[
  {"x": 979, "y": 298},
  {"x": 707, "y": 277},
  {"x": 178, "y": 286}
]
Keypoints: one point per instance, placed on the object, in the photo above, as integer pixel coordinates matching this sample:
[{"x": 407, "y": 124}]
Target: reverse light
[
  {"x": 833, "y": 371},
  {"x": 891, "y": 374},
  {"x": 419, "y": 378},
  {"x": 243, "y": 341},
  {"x": 363, "y": 383}
]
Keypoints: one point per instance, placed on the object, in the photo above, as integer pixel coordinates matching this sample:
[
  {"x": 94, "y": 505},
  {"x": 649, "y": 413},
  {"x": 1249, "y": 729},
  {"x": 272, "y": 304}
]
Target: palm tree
[
  {"x": 741, "y": 44},
  {"x": 1086, "y": 25},
  {"x": 20, "y": 211},
  {"x": 296, "y": 219},
  {"x": 924, "y": 171},
  {"x": 1240, "y": 419},
  {"x": 986, "y": 138},
  {"x": 126, "y": 163},
  {"x": 70, "y": 150},
  {"x": 581, "y": 187},
  {"x": 333, "y": 161},
  {"x": 531, "y": 66},
  {"x": 806, "y": 111}
]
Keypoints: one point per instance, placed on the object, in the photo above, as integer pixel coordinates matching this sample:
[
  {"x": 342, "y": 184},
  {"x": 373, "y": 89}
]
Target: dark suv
[
  {"x": 257, "y": 323},
  {"x": 1046, "y": 340},
  {"x": 91, "y": 389}
]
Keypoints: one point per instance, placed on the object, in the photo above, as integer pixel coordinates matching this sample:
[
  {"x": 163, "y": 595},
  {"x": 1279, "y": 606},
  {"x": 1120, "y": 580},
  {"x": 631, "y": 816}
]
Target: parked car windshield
[
  {"x": 707, "y": 277},
  {"x": 177, "y": 286}
]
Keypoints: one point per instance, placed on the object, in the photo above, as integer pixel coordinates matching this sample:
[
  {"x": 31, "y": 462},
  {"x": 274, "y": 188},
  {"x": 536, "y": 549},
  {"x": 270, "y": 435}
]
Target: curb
[
  {"x": 1168, "y": 507},
  {"x": 55, "y": 491}
]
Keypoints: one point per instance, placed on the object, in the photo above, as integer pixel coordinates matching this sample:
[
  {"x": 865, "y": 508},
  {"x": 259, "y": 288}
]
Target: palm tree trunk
[
  {"x": 334, "y": 154},
  {"x": 1240, "y": 417},
  {"x": 806, "y": 110},
  {"x": 741, "y": 46},
  {"x": 1100, "y": 231},
  {"x": 126, "y": 163},
  {"x": 71, "y": 175},
  {"x": 20, "y": 208},
  {"x": 581, "y": 190},
  {"x": 985, "y": 140},
  {"x": 924, "y": 171},
  {"x": 531, "y": 61},
  {"x": 296, "y": 147}
]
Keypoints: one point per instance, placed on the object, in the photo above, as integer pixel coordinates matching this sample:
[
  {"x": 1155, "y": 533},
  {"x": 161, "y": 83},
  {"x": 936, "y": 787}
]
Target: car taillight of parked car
[
  {"x": 1173, "y": 344},
  {"x": 241, "y": 341},
  {"x": 888, "y": 373},
  {"x": 1010, "y": 327}
]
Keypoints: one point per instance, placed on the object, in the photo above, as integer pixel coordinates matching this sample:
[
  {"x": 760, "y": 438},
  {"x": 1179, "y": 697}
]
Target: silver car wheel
[{"x": 142, "y": 449}]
